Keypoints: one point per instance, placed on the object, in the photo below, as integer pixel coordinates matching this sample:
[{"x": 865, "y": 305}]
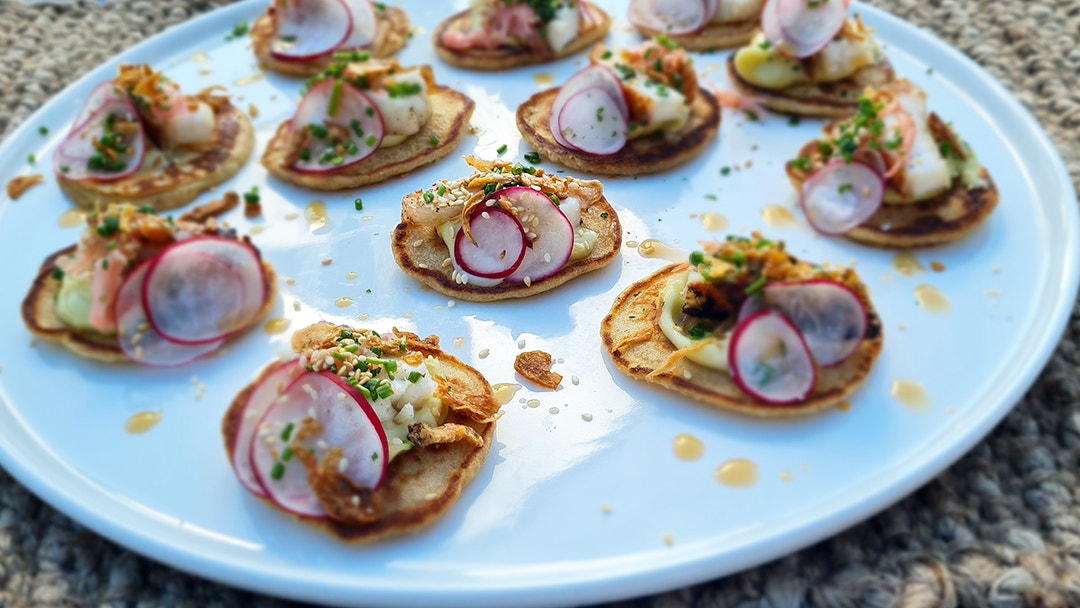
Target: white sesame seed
[
  {"x": 136, "y": 338},
  {"x": 342, "y": 396},
  {"x": 451, "y": 304},
  {"x": 322, "y": 445},
  {"x": 343, "y": 465},
  {"x": 484, "y": 353},
  {"x": 485, "y": 215},
  {"x": 138, "y": 352},
  {"x": 547, "y": 257},
  {"x": 521, "y": 343},
  {"x": 575, "y": 380},
  {"x": 311, "y": 413},
  {"x": 418, "y": 242},
  {"x": 527, "y": 281},
  {"x": 355, "y": 500}
]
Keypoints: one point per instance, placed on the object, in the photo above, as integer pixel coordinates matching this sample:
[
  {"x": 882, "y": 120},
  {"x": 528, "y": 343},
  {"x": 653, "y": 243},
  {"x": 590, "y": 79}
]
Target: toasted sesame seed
[
  {"x": 355, "y": 500},
  {"x": 343, "y": 465},
  {"x": 484, "y": 353}
]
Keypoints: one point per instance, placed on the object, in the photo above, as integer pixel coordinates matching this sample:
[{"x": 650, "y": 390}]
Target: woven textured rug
[{"x": 1000, "y": 528}]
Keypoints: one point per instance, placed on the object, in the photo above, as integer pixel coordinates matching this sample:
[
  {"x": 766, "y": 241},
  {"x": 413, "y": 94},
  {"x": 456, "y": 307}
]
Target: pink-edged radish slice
[
  {"x": 348, "y": 422},
  {"x": 770, "y": 27},
  {"x": 593, "y": 76},
  {"x": 587, "y": 14},
  {"x": 841, "y": 195},
  {"x": 309, "y": 29},
  {"x": 548, "y": 229},
  {"x": 871, "y": 158},
  {"x": 353, "y": 112},
  {"x": 98, "y": 97},
  {"x": 673, "y": 17},
  {"x": 204, "y": 289},
  {"x": 592, "y": 122},
  {"x": 769, "y": 360},
  {"x": 807, "y": 25},
  {"x": 138, "y": 339},
  {"x": 364, "y": 24},
  {"x": 73, "y": 158},
  {"x": 500, "y": 243},
  {"x": 828, "y": 314},
  {"x": 265, "y": 393}
]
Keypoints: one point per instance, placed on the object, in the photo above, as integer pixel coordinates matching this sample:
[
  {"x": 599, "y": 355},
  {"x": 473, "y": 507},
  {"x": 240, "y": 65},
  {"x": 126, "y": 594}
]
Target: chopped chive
[
  {"x": 434, "y": 140},
  {"x": 502, "y": 149},
  {"x": 287, "y": 454},
  {"x": 57, "y": 273},
  {"x": 532, "y": 157},
  {"x": 286, "y": 433},
  {"x": 756, "y": 286},
  {"x": 415, "y": 377},
  {"x": 359, "y": 203},
  {"x": 278, "y": 471}
]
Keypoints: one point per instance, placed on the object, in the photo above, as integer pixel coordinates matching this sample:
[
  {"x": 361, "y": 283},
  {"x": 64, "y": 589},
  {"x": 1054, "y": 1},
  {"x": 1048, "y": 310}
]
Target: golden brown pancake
[
  {"x": 648, "y": 154},
  {"x": 639, "y": 348},
  {"x": 423, "y": 482},
  {"x": 828, "y": 100},
  {"x": 168, "y": 180},
  {"x": 505, "y": 58},
  {"x": 393, "y": 34},
  {"x": 421, "y": 253},
  {"x": 39, "y": 314},
  {"x": 947, "y": 217},
  {"x": 450, "y": 114},
  {"x": 713, "y": 36}
]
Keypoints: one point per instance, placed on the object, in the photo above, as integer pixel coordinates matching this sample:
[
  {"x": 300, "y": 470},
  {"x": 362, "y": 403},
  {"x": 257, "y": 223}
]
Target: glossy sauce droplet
[
  {"x": 343, "y": 302},
  {"x": 687, "y": 447},
  {"x": 737, "y": 473},
  {"x": 652, "y": 248},
  {"x": 504, "y": 392},
  {"x": 776, "y": 216},
  {"x": 533, "y": 403},
  {"x": 932, "y": 300},
  {"x": 632, "y": 244},
  {"x": 713, "y": 222},
  {"x": 276, "y": 326},
  {"x": 316, "y": 215},
  {"x": 72, "y": 218},
  {"x": 352, "y": 276},
  {"x": 142, "y": 422},
  {"x": 911, "y": 395},
  {"x": 544, "y": 79},
  {"x": 907, "y": 264}
]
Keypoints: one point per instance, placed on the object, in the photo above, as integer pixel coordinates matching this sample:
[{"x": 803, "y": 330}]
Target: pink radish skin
[
  {"x": 363, "y": 22},
  {"x": 551, "y": 234},
  {"x": 71, "y": 159},
  {"x": 348, "y": 422},
  {"x": 672, "y": 17},
  {"x": 204, "y": 289},
  {"x": 98, "y": 97},
  {"x": 315, "y": 27},
  {"x": 841, "y": 195},
  {"x": 591, "y": 122},
  {"x": 871, "y": 158},
  {"x": 149, "y": 347},
  {"x": 593, "y": 76},
  {"x": 828, "y": 314},
  {"x": 500, "y": 243},
  {"x": 259, "y": 400},
  {"x": 805, "y": 29},
  {"x": 353, "y": 105},
  {"x": 769, "y": 359}
]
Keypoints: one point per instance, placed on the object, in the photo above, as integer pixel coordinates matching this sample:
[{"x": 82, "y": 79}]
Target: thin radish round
[
  {"x": 769, "y": 360},
  {"x": 364, "y": 24},
  {"x": 309, "y": 29},
  {"x": 871, "y": 158},
  {"x": 499, "y": 244},
  {"x": 78, "y": 158},
  {"x": 828, "y": 314},
  {"x": 101, "y": 94},
  {"x": 204, "y": 289},
  {"x": 841, "y": 195},
  {"x": 770, "y": 26},
  {"x": 673, "y": 17},
  {"x": 587, "y": 14},
  {"x": 337, "y": 116},
  {"x": 809, "y": 25},
  {"x": 591, "y": 122},
  {"x": 138, "y": 339},
  {"x": 550, "y": 233},
  {"x": 259, "y": 400},
  {"x": 347, "y": 422},
  {"x": 593, "y": 76}
]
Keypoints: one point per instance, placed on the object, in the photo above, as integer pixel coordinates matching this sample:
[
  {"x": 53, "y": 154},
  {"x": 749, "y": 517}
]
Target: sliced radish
[
  {"x": 499, "y": 247},
  {"x": 768, "y": 359},
  {"x": 828, "y": 314},
  {"x": 364, "y": 24},
  {"x": 674, "y": 17},
  {"x": 770, "y": 26},
  {"x": 259, "y": 400},
  {"x": 871, "y": 158},
  {"x": 309, "y": 29},
  {"x": 587, "y": 14},
  {"x": 550, "y": 233},
  {"x": 73, "y": 157},
  {"x": 355, "y": 116},
  {"x": 138, "y": 339},
  {"x": 204, "y": 289},
  {"x": 592, "y": 122},
  {"x": 807, "y": 26},
  {"x": 596, "y": 75},
  {"x": 841, "y": 195},
  {"x": 103, "y": 93},
  {"x": 348, "y": 422}
]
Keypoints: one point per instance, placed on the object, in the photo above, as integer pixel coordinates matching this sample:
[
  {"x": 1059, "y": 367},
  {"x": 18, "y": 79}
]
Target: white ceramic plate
[{"x": 565, "y": 510}]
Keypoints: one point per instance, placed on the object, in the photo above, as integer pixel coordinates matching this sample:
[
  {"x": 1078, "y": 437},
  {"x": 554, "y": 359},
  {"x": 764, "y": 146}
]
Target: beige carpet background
[{"x": 1001, "y": 528}]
